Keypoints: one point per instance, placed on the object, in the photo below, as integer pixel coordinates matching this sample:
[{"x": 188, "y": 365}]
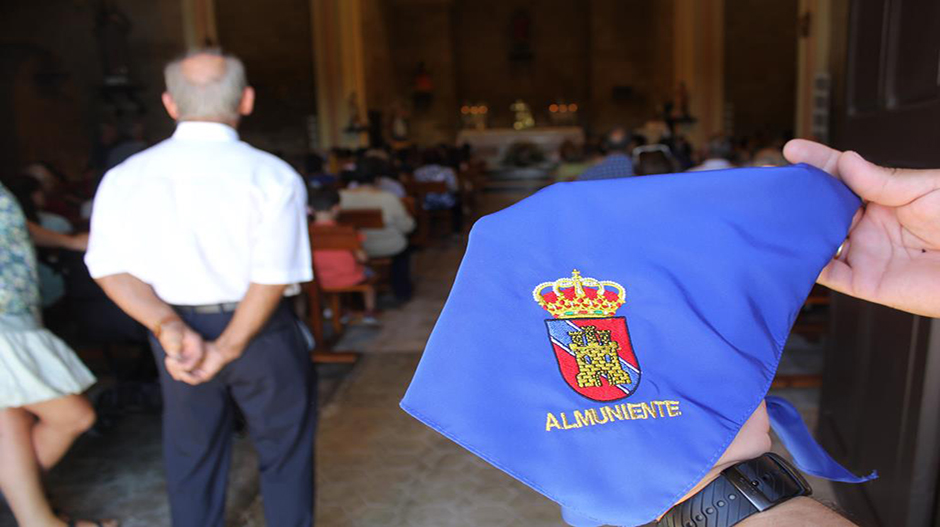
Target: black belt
[{"x": 207, "y": 309}]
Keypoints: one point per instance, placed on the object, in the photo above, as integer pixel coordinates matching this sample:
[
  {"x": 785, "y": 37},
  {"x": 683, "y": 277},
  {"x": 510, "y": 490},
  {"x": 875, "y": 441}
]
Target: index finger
[{"x": 812, "y": 153}]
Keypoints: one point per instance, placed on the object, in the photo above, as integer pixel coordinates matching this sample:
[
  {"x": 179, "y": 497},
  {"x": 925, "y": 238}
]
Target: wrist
[
  {"x": 797, "y": 512},
  {"x": 741, "y": 491},
  {"x": 163, "y": 323},
  {"x": 75, "y": 242},
  {"x": 230, "y": 347}
]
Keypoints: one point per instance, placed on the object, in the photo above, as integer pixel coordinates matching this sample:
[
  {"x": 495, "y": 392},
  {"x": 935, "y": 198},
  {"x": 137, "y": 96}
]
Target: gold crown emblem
[{"x": 580, "y": 297}]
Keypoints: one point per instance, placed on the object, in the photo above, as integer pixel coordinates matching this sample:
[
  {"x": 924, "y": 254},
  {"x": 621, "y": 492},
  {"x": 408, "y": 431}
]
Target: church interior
[{"x": 515, "y": 95}]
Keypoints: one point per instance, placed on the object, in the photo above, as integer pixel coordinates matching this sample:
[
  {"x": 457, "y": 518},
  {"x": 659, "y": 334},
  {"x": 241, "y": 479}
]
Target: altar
[{"x": 491, "y": 145}]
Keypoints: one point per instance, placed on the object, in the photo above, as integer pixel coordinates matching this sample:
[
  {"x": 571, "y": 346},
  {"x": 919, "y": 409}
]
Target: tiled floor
[{"x": 376, "y": 466}]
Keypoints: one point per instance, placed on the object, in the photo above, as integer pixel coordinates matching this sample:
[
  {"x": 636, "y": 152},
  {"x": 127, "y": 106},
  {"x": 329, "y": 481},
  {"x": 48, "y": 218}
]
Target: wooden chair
[
  {"x": 426, "y": 219},
  {"x": 362, "y": 218},
  {"x": 369, "y": 219},
  {"x": 410, "y": 206},
  {"x": 343, "y": 238},
  {"x": 472, "y": 181}
]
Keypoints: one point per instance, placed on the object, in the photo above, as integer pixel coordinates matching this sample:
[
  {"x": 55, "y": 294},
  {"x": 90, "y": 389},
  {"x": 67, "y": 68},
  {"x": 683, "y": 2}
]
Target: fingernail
[{"x": 853, "y": 153}]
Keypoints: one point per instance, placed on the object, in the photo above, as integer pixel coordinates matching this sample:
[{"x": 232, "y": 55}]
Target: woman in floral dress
[{"x": 42, "y": 410}]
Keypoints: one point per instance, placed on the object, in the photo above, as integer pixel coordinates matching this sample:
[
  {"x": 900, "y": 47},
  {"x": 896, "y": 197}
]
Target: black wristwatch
[{"x": 747, "y": 488}]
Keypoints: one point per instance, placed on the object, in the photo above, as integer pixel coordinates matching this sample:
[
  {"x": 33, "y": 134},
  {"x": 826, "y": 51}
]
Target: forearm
[
  {"x": 138, "y": 300},
  {"x": 798, "y": 512},
  {"x": 251, "y": 315},
  {"x": 44, "y": 237}
]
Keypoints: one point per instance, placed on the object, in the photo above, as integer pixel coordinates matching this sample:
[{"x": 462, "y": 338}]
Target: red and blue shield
[{"x": 595, "y": 356}]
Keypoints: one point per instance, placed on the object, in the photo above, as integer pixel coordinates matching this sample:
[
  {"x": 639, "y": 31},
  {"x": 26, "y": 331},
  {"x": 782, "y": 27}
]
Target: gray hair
[{"x": 215, "y": 98}]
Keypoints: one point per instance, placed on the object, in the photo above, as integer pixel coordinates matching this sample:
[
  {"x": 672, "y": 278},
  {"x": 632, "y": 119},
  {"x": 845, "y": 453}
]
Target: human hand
[
  {"x": 892, "y": 253},
  {"x": 184, "y": 349},
  {"x": 217, "y": 356}
]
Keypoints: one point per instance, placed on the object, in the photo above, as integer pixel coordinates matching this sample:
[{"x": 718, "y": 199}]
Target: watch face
[
  {"x": 767, "y": 480},
  {"x": 804, "y": 487}
]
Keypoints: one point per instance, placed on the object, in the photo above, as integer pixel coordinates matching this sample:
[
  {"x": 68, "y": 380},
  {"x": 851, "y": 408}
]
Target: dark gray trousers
[{"x": 274, "y": 386}]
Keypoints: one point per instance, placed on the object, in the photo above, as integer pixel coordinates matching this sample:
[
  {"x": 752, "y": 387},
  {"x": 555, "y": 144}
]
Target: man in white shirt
[{"x": 198, "y": 238}]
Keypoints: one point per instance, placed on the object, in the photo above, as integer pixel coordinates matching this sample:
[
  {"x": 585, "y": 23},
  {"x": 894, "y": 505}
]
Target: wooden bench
[
  {"x": 342, "y": 238},
  {"x": 427, "y": 219},
  {"x": 362, "y": 218},
  {"x": 472, "y": 182},
  {"x": 369, "y": 219}
]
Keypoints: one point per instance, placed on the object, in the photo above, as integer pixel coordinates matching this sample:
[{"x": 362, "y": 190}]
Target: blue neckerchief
[{"x": 613, "y": 389}]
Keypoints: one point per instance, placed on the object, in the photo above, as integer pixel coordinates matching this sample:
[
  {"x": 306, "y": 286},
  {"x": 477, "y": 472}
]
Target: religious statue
[
  {"x": 120, "y": 95},
  {"x": 676, "y": 112},
  {"x": 112, "y": 28},
  {"x": 398, "y": 132},
  {"x": 423, "y": 87},
  {"x": 356, "y": 123}
]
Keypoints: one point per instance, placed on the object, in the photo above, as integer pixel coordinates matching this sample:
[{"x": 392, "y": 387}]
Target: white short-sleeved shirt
[{"x": 200, "y": 216}]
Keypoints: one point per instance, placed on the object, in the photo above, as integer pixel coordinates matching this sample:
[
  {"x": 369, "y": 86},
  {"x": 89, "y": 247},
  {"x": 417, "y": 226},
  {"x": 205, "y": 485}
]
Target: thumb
[
  {"x": 891, "y": 187},
  {"x": 812, "y": 153}
]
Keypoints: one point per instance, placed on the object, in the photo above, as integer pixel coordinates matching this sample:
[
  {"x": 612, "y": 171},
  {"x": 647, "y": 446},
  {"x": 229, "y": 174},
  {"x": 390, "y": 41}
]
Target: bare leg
[
  {"x": 61, "y": 421},
  {"x": 20, "y": 468},
  {"x": 20, "y": 478},
  {"x": 369, "y": 300}
]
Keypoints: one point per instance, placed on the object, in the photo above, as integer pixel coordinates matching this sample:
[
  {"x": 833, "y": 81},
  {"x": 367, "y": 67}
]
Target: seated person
[
  {"x": 31, "y": 197},
  {"x": 434, "y": 170},
  {"x": 389, "y": 241},
  {"x": 55, "y": 187},
  {"x": 388, "y": 178},
  {"x": 768, "y": 157},
  {"x": 571, "y": 162},
  {"x": 314, "y": 173},
  {"x": 653, "y": 159},
  {"x": 337, "y": 268},
  {"x": 718, "y": 155},
  {"x": 617, "y": 163}
]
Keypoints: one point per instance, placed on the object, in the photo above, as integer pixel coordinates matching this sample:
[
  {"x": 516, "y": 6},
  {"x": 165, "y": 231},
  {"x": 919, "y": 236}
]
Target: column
[
  {"x": 340, "y": 72},
  {"x": 699, "y": 57},
  {"x": 199, "y": 28},
  {"x": 813, "y": 78}
]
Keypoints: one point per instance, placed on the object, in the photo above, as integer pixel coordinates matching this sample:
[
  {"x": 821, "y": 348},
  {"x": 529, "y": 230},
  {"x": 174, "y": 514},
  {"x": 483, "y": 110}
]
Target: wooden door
[{"x": 880, "y": 399}]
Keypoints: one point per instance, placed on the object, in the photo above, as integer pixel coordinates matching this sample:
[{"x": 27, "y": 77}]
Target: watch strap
[{"x": 738, "y": 492}]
